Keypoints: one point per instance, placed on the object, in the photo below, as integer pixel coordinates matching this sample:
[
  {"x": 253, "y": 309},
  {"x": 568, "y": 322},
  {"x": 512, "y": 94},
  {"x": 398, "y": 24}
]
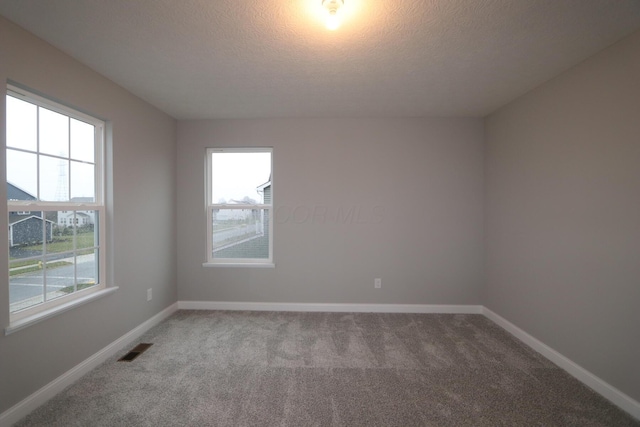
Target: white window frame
[
  {"x": 40, "y": 311},
  {"x": 210, "y": 207}
]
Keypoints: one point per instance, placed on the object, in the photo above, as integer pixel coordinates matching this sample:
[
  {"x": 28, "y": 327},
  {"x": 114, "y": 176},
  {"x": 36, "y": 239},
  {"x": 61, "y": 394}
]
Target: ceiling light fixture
[{"x": 332, "y": 6}]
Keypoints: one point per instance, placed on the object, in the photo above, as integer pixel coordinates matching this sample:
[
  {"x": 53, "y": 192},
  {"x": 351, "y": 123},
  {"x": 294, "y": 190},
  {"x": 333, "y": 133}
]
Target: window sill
[
  {"x": 239, "y": 264},
  {"x": 54, "y": 311}
]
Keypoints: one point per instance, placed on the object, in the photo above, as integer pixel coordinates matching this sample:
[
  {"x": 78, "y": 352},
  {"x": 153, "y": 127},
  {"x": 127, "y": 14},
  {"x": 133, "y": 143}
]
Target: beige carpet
[{"x": 223, "y": 368}]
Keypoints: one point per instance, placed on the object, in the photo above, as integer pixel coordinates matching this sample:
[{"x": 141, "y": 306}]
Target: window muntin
[
  {"x": 55, "y": 203},
  {"x": 239, "y": 206}
]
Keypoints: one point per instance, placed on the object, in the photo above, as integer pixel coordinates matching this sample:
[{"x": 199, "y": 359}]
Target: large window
[
  {"x": 55, "y": 203},
  {"x": 239, "y": 206}
]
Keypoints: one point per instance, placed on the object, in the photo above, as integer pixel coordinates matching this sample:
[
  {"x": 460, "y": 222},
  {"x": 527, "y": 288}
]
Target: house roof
[
  {"x": 16, "y": 218},
  {"x": 274, "y": 58},
  {"x": 265, "y": 185},
  {"x": 16, "y": 193}
]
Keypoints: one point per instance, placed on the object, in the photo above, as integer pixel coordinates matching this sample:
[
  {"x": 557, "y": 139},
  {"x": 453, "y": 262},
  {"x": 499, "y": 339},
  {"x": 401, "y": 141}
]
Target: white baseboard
[
  {"x": 329, "y": 307},
  {"x": 601, "y": 387},
  {"x": 24, "y": 407}
]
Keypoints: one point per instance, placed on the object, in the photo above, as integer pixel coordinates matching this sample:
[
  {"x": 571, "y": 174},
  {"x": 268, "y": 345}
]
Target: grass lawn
[
  {"x": 79, "y": 287},
  {"x": 65, "y": 243},
  {"x": 15, "y": 264},
  {"x": 37, "y": 266},
  {"x": 60, "y": 244}
]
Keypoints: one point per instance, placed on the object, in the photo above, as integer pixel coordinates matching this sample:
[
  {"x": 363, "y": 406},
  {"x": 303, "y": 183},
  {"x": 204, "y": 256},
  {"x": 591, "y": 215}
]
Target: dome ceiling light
[{"x": 333, "y": 11}]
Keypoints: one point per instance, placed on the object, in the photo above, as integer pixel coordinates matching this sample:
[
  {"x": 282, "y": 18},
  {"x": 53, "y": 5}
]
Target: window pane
[
  {"x": 54, "y": 184},
  {"x": 82, "y": 182},
  {"x": 50, "y": 158},
  {"x": 26, "y": 234},
  {"x": 240, "y": 233},
  {"x": 59, "y": 273},
  {"x": 87, "y": 268},
  {"x": 86, "y": 232},
  {"x": 238, "y": 177},
  {"x": 51, "y": 228},
  {"x": 21, "y": 124},
  {"x": 25, "y": 262},
  {"x": 25, "y": 284},
  {"x": 54, "y": 133},
  {"x": 82, "y": 137},
  {"x": 63, "y": 232},
  {"x": 22, "y": 172},
  {"x": 71, "y": 230}
]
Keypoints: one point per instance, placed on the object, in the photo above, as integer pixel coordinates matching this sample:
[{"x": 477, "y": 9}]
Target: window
[
  {"x": 55, "y": 201},
  {"x": 239, "y": 202}
]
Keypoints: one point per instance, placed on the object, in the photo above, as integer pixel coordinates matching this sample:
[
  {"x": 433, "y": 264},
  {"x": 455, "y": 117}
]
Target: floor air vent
[{"x": 137, "y": 351}]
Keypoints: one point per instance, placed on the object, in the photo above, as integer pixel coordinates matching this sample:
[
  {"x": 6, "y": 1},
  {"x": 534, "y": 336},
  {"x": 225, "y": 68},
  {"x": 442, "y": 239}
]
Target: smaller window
[{"x": 239, "y": 206}]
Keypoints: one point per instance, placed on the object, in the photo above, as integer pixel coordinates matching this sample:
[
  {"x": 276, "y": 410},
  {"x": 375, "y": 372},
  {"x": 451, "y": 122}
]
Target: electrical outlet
[
  {"x": 149, "y": 295},
  {"x": 377, "y": 283}
]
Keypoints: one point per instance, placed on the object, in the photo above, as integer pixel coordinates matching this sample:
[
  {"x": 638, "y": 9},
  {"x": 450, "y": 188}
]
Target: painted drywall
[
  {"x": 142, "y": 216},
  {"x": 563, "y": 214},
  {"x": 354, "y": 199}
]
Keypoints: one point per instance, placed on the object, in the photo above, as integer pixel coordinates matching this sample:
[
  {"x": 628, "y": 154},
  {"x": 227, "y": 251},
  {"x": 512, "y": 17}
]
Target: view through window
[
  {"x": 239, "y": 206},
  {"x": 55, "y": 202}
]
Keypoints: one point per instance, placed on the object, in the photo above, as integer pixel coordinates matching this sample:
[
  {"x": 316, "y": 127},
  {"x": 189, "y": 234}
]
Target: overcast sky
[
  {"x": 66, "y": 147},
  {"x": 64, "y": 167},
  {"x": 237, "y": 175}
]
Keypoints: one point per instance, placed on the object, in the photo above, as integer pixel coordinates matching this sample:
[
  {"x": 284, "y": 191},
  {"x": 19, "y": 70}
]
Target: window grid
[
  {"x": 92, "y": 207},
  {"x": 254, "y": 212}
]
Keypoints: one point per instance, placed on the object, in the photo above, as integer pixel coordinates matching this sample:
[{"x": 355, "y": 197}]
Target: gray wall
[
  {"x": 400, "y": 199},
  {"x": 142, "y": 214},
  {"x": 413, "y": 186},
  {"x": 563, "y": 214}
]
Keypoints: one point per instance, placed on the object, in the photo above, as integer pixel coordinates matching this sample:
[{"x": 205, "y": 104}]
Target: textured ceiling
[{"x": 274, "y": 58}]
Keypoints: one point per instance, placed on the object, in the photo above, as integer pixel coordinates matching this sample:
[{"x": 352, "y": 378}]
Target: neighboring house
[
  {"x": 25, "y": 227},
  {"x": 16, "y": 193},
  {"x": 66, "y": 218},
  {"x": 265, "y": 190},
  {"x": 235, "y": 214},
  {"x": 232, "y": 214}
]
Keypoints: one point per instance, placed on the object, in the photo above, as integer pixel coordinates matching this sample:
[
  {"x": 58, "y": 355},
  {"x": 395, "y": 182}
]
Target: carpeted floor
[{"x": 225, "y": 368}]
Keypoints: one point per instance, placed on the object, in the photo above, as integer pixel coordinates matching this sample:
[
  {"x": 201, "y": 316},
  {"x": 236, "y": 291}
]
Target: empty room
[{"x": 320, "y": 212}]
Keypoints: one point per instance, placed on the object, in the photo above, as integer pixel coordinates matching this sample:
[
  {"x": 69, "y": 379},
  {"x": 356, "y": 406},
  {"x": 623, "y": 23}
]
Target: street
[
  {"x": 224, "y": 237},
  {"x": 29, "y": 285}
]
